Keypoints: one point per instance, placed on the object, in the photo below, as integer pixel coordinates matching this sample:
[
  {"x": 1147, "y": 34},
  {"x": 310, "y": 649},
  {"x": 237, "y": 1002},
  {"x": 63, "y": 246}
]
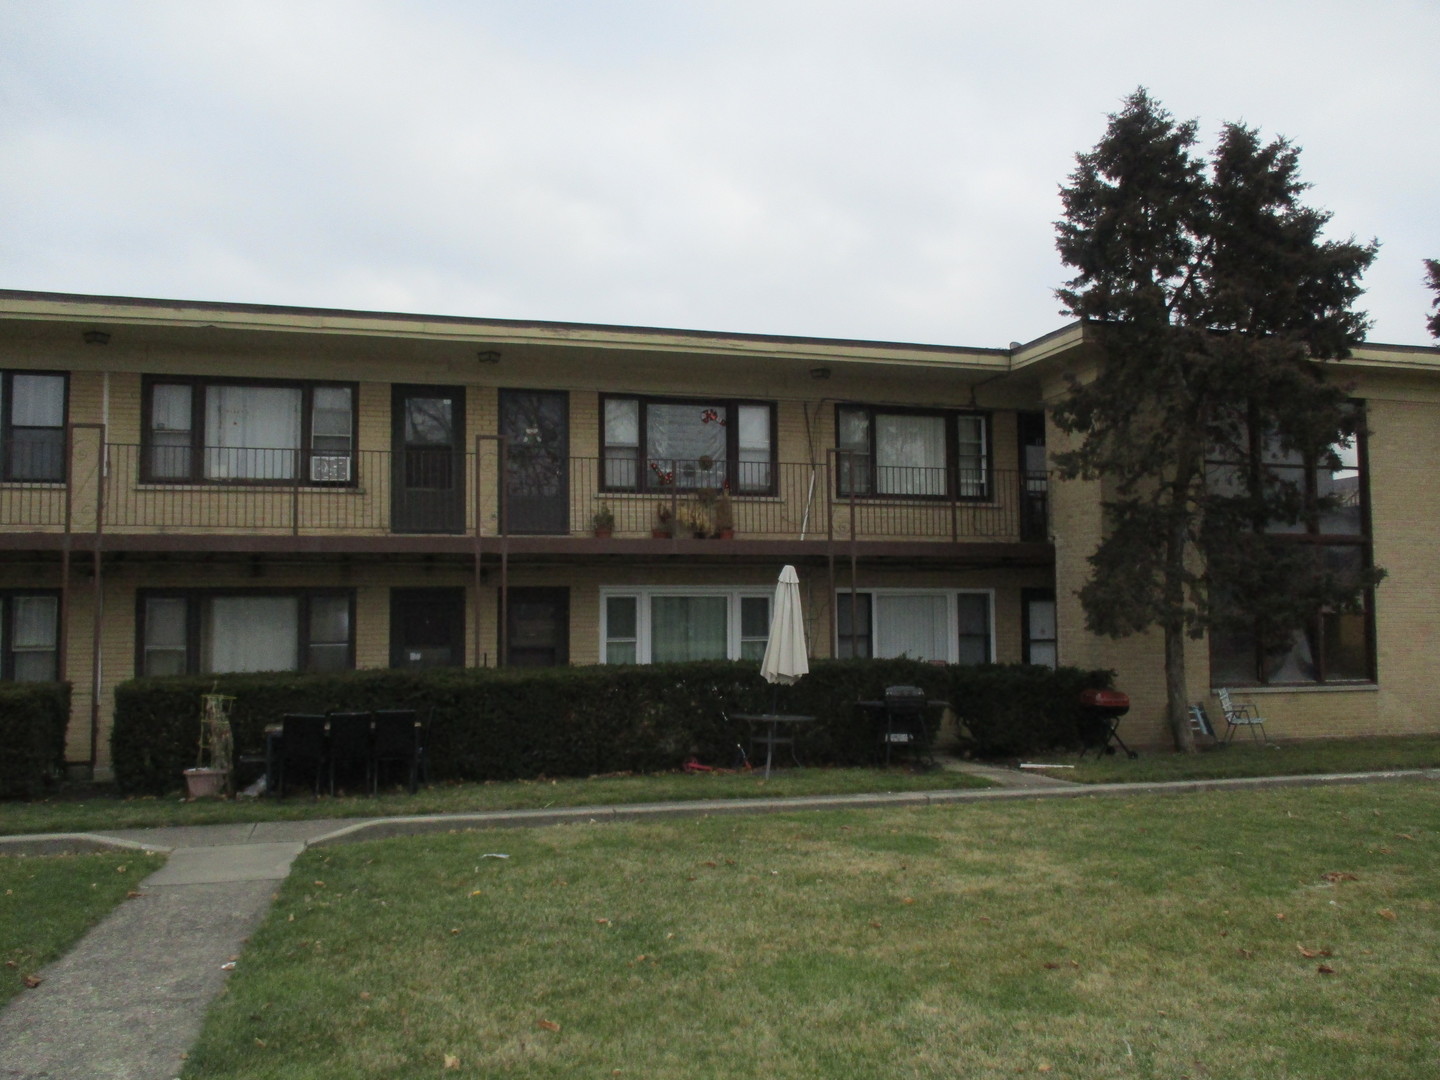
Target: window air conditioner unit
[{"x": 330, "y": 469}]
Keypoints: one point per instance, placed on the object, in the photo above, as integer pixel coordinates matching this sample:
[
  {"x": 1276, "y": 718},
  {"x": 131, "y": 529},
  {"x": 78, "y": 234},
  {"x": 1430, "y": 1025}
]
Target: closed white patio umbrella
[{"x": 785, "y": 660}]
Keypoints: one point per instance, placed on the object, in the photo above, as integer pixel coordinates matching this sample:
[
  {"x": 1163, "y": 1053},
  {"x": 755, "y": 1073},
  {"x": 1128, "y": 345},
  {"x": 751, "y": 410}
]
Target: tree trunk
[{"x": 1177, "y": 705}]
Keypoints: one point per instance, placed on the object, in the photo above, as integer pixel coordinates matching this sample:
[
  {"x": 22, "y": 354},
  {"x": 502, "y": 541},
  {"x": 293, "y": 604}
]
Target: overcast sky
[{"x": 830, "y": 168}]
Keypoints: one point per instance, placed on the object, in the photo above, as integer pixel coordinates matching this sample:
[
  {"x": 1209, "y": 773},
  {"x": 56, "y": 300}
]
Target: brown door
[
  {"x": 427, "y": 628},
  {"x": 428, "y": 447},
  {"x": 537, "y": 623},
  {"x": 537, "y": 446}
]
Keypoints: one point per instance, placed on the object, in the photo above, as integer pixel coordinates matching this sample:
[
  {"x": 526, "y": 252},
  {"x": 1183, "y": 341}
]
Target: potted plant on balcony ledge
[
  {"x": 724, "y": 517},
  {"x": 217, "y": 744},
  {"x": 664, "y": 526},
  {"x": 603, "y": 522}
]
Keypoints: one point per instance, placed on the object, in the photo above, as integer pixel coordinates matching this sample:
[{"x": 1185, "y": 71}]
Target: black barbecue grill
[{"x": 1100, "y": 713}]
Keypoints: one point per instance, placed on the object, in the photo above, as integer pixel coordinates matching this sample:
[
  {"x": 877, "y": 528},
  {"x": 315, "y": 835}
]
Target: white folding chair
[{"x": 1240, "y": 714}]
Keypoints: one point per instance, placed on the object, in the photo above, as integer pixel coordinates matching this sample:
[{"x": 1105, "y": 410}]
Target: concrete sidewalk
[{"x": 128, "y": 1001}]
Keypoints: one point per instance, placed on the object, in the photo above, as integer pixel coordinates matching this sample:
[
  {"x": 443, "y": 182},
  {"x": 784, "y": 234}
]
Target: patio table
[{"x": 771, "y": 730}]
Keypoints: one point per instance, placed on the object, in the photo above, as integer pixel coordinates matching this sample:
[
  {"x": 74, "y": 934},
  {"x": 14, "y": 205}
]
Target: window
[
  {"x": 912, "y": 453},
  {"x": 651, "y": 444},
  {"x": 661, "y": 625},
  {"x": 188, "y": 632},
  {"x": 212, "y": 430},
  {"x": 32, "y": 426},
  {"x": 1042, "y": 644},
  {"x": 29, "y": 636},
  {"x": 954, "y": 627},
  {"x": 1332, "y": 502}
]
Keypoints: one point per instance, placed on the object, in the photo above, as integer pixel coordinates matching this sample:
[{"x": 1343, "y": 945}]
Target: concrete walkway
[{"x": 128, "y": 1001}]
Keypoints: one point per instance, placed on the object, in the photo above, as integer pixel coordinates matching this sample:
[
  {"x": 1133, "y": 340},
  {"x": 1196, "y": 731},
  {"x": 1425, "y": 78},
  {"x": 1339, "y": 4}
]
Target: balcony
[{"x": 445, "y": 501}]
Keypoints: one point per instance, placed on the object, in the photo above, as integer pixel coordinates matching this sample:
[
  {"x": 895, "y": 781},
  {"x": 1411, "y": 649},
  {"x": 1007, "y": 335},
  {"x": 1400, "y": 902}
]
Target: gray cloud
[{"x": 836, "y": 169}]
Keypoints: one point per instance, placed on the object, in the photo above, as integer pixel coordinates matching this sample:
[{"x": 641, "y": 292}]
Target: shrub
[
  {"x": 33, "y": 718},
  {"x": 505, "y": 724}
]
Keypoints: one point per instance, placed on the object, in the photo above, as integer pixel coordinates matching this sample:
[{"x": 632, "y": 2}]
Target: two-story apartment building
[{"x": 203, "y": 487}]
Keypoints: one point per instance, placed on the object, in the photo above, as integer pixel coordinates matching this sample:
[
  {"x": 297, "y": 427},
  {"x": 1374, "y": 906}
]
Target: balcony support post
[{"x": 501, "y": 444}]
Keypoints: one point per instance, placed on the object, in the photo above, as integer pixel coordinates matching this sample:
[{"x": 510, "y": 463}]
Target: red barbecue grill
[{"x": 1100, "y": 713}]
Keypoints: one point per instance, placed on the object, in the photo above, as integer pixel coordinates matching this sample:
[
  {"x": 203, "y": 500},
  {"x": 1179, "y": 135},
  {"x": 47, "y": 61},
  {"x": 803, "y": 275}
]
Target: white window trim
[
  {"x": 952, "y": 633},
  {"x": 643, "y": 594}
]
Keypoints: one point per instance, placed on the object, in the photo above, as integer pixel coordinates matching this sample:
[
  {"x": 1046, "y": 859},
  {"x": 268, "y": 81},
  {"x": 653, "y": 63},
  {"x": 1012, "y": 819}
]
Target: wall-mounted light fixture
[
  {"x": 488, "y": 356},
  {"x": 96, "y": 337},
  {"x": 819, "y": 373}
]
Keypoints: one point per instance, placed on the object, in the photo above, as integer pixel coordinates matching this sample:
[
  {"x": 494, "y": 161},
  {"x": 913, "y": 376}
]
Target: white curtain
[
  {"x": 251, "y": 432},
  {"x": 688, "y": 628},
  {"x": 916, "y": 626},
  {"x": 910, "y": 454},
  {"x": 252, "y": 633}
]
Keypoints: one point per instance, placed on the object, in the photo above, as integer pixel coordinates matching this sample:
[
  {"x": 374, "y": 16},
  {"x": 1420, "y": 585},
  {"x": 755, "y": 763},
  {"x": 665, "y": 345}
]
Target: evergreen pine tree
[{"x": 1212, "y": 296}]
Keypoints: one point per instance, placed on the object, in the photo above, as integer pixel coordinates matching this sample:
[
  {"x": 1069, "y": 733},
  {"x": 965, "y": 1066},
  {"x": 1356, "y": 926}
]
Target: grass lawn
[
  {"x": 1284, "y": 933},
  {"x": 101, "y": 810},
  {"x": 1245, "y": 757},
  {"x": 47, "y": 902}
]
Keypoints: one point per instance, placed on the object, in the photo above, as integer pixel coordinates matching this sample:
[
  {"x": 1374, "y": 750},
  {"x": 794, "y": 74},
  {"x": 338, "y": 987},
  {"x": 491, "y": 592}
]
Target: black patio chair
[
  {"x": 397, "y": 741},
  {"x": 302, "y": 744},
  {"x": 351, "y": 749}
]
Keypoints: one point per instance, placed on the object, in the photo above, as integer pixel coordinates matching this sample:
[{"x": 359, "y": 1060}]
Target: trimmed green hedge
[
  {"x": 580, "y": 721},
  {"x": 33, "y": 718}
]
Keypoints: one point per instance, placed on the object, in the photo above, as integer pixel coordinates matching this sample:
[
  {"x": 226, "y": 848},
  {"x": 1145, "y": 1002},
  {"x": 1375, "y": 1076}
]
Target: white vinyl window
[
  {"x": 921, "y": 624},
  {"x": 663, "y": 625}
]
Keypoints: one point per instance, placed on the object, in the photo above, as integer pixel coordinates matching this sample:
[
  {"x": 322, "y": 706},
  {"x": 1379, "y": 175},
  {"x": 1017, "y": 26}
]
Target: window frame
[
  {"x": 1028, "y": 640},
  {"x": 647, "y": 483},
  {"x": 305, "y": 453},
  {"x": 735, "y": 595},
  {"x": 7, "y": 631},
  {"x": 865, "y": 599},
  {"x": 1309, "y": 531},
  {"x": 954, "y": 484},
  {"x": 195, "y": 601},
  {"x": 7, "y": 427}
]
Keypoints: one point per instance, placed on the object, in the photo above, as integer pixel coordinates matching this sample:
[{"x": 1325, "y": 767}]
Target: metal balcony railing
[{"x": 123, "y": 488}]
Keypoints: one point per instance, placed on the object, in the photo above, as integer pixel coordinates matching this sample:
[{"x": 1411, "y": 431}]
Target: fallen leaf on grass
[
  {"x": 602, "y": 922},
  {"x": 12, "y": 963},
  {"x": 451, "y": 1061},
  {"x": 875, "y": 924},
  {"x": 908, "y": 900},
  {"x": 1311, "y": 954},
  {"x": 133, "y": 894},
  {"x": 1404, "y": 836},
  {"x": 1386, "y": 913},
  {"x": 32, "y": 981},
  {"x": 1333, "y": 876},
  {"x": 1050, "y": 965},
  {"x": 1280, "y": 915},
  {"x": 121, "y": 869},
  {"x": 476, "y": 892},
  {"x": 1325, "y": 969},
  {"x": 548, "y": 1025}
]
